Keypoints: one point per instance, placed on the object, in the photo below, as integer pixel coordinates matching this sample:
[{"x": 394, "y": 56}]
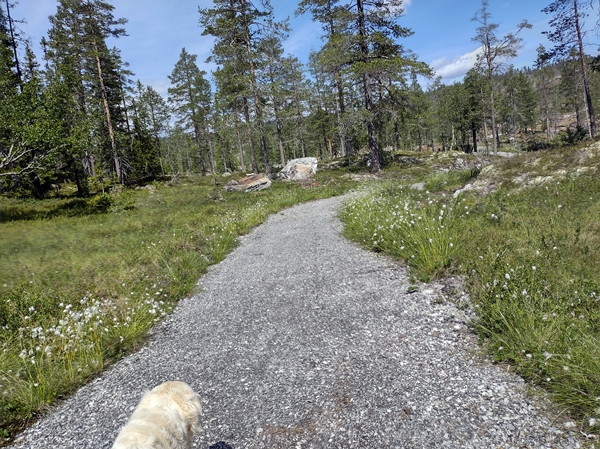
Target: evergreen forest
[{"x": 79, "y": 118}]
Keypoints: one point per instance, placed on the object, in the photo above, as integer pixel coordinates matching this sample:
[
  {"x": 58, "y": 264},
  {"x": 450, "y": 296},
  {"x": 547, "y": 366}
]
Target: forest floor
[{"x": 301, "y": 339}]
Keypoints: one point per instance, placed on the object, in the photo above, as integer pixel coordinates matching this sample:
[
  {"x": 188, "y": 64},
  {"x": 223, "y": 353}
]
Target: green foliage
[
  {"x": 536, "y": 286},
  {"x": 572, "y": 137},
  {"x": 190, "y": 97}
]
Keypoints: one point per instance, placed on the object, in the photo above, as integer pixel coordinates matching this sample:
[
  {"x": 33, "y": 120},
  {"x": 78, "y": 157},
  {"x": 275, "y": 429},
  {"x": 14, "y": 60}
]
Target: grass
[
  {"x": 530, "y": 256},
  {"x": 407, "y": 224},
  {"x": 82, "y": 285}
]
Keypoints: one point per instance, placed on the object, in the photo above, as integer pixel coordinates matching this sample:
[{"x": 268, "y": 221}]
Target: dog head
[{"x": 187, "y": 400}]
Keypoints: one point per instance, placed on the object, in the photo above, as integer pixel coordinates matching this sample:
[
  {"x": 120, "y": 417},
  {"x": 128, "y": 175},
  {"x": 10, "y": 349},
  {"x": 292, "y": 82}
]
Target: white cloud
[{"x": 457, "y": 67}]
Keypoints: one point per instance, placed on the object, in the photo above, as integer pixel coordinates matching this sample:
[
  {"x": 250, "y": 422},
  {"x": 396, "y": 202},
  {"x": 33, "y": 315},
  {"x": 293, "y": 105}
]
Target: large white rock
[{"x": 299, "y": 169}]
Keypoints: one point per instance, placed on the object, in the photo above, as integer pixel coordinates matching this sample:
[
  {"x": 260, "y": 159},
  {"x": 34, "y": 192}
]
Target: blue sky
[{"x": 159, "y": 29}]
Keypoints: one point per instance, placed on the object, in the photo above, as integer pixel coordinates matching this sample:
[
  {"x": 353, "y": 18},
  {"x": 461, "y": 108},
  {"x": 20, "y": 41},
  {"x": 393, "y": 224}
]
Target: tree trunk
[
  {"x": 111, "y": 132},
  {"x": 584, "y": 74},
  {"x": 277, "y": 121},
  {"x": 474, "y": 134},
  {"x": 199, "y": 145},
  {"x": 240, "y": 146},
  {"x": 125, "y": 110},
  {"x": 303, "y": 147},
  {"x": 493, "y": 117},
  {"x": 280, "y": 140},
  {"x": 211, "y": 154},
  {"x": 157, "y": 139},
  {"x": 300, "y": 132},
  {"x": 368, "y": 94},
  {"x": 485, "y": 136},
  {"x": 13, "y": 44},
  {"x": 249, "y": 135},
  {"x": 345, "y": 143}
]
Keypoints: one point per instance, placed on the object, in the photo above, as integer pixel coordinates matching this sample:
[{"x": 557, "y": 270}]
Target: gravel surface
[{"x": 300, "y": 339}]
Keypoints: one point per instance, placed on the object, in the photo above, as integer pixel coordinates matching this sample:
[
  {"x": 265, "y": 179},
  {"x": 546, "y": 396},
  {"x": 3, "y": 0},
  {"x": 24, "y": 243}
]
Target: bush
[{"x": 570, "y": 137}]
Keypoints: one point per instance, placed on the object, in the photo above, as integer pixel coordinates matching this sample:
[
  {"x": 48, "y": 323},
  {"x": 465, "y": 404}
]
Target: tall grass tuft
[{"x": 405, "y": 224}]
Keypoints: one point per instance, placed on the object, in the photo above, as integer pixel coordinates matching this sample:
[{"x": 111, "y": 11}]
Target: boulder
[
  {"x": 250, "y": 183},
  {"x": 299, "y": 169}
]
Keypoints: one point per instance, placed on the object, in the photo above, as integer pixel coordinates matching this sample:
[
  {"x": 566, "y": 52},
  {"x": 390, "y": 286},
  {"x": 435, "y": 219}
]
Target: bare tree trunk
[
  {"x": 211, "y": 154},
  {"x": 586, "y": 86},
  {"x": 157, "y": 139},
  {"x": 257, "y": 108},
  {"x": 249, "y": 134},
  {"x": 485, "y": 137},
  {"x": 493, "y": 117},
  {"x": 300, "y": 133},
  {"x": 13, "y": 44},
  {"x": 280, "y": 140},
  {"x": 199, "y": 145},
  {"x": 125, "y": 110},
  {"x": 111, "y": 132},
  {"x": 240, "y": 146}
]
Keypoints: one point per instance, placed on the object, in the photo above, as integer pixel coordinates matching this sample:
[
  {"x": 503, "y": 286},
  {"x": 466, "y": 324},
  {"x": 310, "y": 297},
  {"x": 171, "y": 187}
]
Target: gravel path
[{"x": 300, "y": 339}]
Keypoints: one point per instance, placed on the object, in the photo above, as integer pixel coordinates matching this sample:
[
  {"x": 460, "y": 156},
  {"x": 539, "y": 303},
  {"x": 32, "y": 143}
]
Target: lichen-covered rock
[
  {"x": 250, "y": 183},
  {"x": 299, "y": 169}
]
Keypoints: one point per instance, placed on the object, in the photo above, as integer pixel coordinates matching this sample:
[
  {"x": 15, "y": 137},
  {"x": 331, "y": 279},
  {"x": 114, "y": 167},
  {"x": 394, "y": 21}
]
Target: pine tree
[
  {"x": 544, "y": 80},
  {"x": 232, "y": 97},
  {"x": 494, "y": 51},
  {"x": 238, "y": 26},
  {"x": 364, "y": 44},
  {"x": 332, "y": 17},
  {"x": 157, "y": 114},
  {"x": 567, "y": 35},
  {"x": 77, "y": 41},
  {"x": 298, "y": 99},
  {"x": 189, "y": 95}
]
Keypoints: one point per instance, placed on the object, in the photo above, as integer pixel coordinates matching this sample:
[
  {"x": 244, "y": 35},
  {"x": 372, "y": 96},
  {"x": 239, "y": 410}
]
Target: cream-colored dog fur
[{"x": 166, "y": 418}]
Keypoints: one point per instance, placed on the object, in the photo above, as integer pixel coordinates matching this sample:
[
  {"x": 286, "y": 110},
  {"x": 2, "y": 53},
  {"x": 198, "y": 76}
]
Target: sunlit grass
[
  {"x": 79, "y": 290},
  {"x": 531, "y": 259},
  {"x": 406, "y": 224}
]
